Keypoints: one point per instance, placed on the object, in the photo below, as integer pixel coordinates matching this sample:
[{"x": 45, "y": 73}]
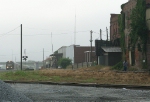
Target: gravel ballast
[
  {"x": 8, "y": 94},
  {"x": 63, "y": 93}
]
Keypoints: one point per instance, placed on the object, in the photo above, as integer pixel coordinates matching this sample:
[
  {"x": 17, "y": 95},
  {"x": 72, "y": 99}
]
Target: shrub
[
  {"x": 118, "y": 66},
  {"x": 64, "y": 62}
]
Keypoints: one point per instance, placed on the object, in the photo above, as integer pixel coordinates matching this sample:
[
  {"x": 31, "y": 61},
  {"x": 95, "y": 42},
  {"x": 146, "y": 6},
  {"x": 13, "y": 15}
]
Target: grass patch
[
  {"x": 22, "y": 76},
  {"x": 90, "y": 80},
  {"x": 56, "y": 78},
  {"x": 20, "y": 73},
  {"x": 96, "y": 74}
]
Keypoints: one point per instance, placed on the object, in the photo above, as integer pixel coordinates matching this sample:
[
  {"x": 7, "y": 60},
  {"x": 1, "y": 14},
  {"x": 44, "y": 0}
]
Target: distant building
[
  {"x": 77, "y": 53},
  {"x": 106, "y": 53},
  {"x": 63, "y": 51}
]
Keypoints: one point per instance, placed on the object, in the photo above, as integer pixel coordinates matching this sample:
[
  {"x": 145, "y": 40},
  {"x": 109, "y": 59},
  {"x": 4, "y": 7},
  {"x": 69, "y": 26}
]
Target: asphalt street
[{"x": 62, "y": 93}]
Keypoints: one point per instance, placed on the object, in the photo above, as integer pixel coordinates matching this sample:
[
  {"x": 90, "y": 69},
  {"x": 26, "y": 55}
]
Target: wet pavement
[{"x": 62, "y": 93}]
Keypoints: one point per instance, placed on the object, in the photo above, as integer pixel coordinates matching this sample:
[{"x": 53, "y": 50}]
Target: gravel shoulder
[
  {"x": 62, "y": 93},
  {"x": 8, "y": 94}
]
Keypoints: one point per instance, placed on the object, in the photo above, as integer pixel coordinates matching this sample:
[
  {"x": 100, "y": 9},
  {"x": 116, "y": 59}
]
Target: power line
[
  {"x": 56, "y": 30},
  {"x": 37, "y": 34},
  {"x": 27, "y": 53},
  {"x": 35, "y": 28},
  {"x": 9, "y": 31},
  {"x": 42, "y": 34},
  {"x": 13, "y": 34},
  {"x": 99, "y": 33},
  {"x": 49, "y": 34}
]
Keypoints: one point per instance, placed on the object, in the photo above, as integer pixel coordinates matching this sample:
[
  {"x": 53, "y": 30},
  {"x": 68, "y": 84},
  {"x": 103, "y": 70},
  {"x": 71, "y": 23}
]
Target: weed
[
  {"x": 118, "y": 66},
  {"x": 20, "y": 73}
]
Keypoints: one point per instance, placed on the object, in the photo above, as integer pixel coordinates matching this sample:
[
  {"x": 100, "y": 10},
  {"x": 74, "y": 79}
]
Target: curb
[{"x": 83, "y": 84}]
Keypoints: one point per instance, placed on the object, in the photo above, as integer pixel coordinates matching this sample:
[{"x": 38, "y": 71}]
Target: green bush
[
  {"x": 118, "y": 66},
  {"x": 144, "y": 65},
  {"x": 64, "y": 62},
  {"x": 132, "y": 68}
]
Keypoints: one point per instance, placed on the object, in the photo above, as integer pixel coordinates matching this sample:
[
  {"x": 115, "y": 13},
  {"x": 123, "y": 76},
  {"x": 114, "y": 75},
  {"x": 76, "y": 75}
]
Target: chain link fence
[{"x": 81, "y": 65}]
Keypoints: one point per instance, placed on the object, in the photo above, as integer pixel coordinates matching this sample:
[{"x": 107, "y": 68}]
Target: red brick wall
[
  {"x": 148, "y": 55},
  {"x": 148, "y": 45},
  {"x": 148, "y": 50},
  {"x": 138, "y": 58},
  {"x": 129, "y": 5},
  {"x": 147, "y": 1},
  {"x": 127, "y": 9},
  {"x": 114, "y": 29},
  {"x": 79, "y": 55}
]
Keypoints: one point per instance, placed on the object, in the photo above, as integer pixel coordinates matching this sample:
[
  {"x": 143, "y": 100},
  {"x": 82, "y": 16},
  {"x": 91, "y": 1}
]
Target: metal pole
[
  {"x": 75, "y": 29},
  {"x": 91, "y": 45},
  {"x": 21, "y": 47},
  {"x": 51, "y": 43},
  {"x": 107, "y": 33},
  {"x": 12, "y": 55},
  {"x": 100, "y": 34},
  {"x": 97, "y": 60},
  {"x": 43, "y": 57}
]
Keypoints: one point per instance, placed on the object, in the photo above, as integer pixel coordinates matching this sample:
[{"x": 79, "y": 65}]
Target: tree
[
  {"x": 56, "y": 52},
  {"x": 121, "y": 22},
  {"x": 64, "y": 62},
  {"x": 139, "y": 29}
]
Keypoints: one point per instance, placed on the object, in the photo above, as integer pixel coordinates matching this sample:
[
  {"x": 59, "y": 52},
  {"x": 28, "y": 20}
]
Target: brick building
[
  {"x": 83, "y": 54},
  {"x": 134, "y": 57},
  {"x": 77, "y": 53},
  {"x": 114, "y": 29},
  {"x": 148, "y": 23}
]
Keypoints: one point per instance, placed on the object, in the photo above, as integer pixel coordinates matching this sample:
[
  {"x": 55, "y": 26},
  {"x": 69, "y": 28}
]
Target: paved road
[{"x": 60, "y": 93}]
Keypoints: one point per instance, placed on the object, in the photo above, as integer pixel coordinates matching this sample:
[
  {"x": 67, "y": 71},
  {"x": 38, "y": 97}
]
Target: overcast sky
[{"x": 42, "y": 18}]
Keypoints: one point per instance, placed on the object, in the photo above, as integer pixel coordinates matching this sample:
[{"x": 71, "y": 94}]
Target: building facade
[
  {"x": 77, "y": 53},
  {"x": 134, "y": 57},
  {"x": 114, "y": 28},
  {"x": 82, "y": 53},
  {"x": 63, "y": 51},
  {"x": 148, "y": 23}
]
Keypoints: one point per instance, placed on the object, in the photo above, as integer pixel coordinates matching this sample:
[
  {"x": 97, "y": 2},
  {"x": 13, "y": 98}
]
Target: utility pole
[
  {"x": 21, "y": 48},
  {"x": 43, "y": 58},
  {"x": 107, "y": 33},
  {"x": 75, "y": 29},
  {"x": 12, "y": 55},
  {"x": 51, "y": 43},
  {"x": 100, "y": 34},
  {"x": 91, "y": 45}
]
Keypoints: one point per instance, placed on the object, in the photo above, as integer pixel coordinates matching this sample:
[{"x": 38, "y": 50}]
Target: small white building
[{"x": 63, "y": 51}]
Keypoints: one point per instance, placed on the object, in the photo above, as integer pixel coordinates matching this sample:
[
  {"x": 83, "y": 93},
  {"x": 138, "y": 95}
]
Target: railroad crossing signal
[{"x": 25, "y": 57}]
